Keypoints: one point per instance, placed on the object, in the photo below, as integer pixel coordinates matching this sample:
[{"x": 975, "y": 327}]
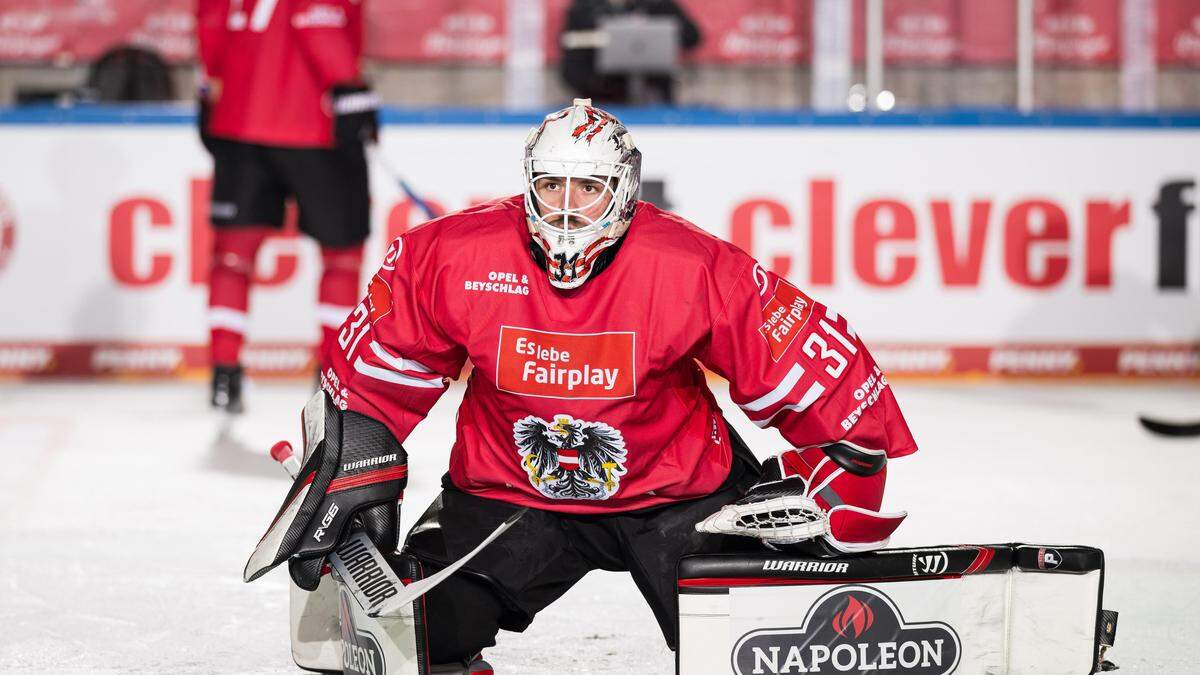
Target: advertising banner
[
  {"x": 418, "y": 31},
  {"x": 413, "y": 31},
  {"x": 1178, "y": 33},
  {"x": 68, "y": 31},
  {"x": 948, "y": 32},
  {"x": 1023, "y": 251},
  {"x": 916, "y": 32}
]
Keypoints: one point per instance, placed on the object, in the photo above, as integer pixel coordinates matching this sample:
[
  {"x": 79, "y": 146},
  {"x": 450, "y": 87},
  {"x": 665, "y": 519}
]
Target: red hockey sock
[
  {"x": 339, "y": 292},
  {"x": 232, "y": 267}
]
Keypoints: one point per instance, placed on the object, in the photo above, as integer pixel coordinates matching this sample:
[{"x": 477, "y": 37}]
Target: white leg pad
[
  {"x": 377, "y": 645},
  {"x": 315, "y": 628},
  {"x": 331, "y": 628}
]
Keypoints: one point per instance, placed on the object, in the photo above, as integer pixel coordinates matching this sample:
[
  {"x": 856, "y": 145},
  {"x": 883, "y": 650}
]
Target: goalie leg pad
[
  {"x": 314, "y": 627},
  {"x": 375, "y": 645},
  {"x": 396, "y": 644}
]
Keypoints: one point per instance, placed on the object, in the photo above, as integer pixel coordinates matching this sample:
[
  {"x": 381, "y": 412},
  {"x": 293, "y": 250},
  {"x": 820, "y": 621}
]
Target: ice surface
[{"x": 128, "y": 510}]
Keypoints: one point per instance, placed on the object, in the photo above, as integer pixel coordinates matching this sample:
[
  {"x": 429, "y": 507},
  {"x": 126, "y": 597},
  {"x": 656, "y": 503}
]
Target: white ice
[{"x": 127, "y": 511}]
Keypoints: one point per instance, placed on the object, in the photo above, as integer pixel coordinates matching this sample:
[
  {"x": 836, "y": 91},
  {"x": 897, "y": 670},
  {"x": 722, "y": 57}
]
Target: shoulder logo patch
[
  {"x": 393, "y": 254},
  {"x": 379, "y": 298},
  {"x": 784, "y": 314}
]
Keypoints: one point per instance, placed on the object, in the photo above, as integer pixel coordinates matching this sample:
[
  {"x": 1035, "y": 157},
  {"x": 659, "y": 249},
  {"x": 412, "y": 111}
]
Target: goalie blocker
[{"x": 1011, "y": 609}]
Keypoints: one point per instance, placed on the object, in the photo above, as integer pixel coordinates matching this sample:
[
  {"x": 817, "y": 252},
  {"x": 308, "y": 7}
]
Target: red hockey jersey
[
  {"x": 276, "y": 61},
  {"x": 591, "y": 400}
]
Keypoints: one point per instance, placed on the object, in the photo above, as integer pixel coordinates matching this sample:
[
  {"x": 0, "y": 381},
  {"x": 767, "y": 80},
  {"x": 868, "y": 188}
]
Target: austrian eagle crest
[{"x": 570, "y": 458}]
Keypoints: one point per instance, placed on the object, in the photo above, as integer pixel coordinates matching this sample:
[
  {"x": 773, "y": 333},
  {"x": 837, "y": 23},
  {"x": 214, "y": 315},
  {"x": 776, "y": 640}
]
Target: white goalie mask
[{"x": 582, "y": 175}]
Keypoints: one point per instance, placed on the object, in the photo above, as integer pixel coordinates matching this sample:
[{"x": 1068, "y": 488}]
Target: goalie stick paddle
[
  {"x": 377, "y": 154},
  {"x": 1174, "y": 429},
  {"x": 282, "y": 452},
  {"x": 416, "y": 589}
]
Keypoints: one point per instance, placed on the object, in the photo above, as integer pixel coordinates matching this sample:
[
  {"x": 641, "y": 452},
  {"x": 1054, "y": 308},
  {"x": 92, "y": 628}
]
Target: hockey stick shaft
[
  {"x": 377, "y": 155},
  {"x": 416, "y": 589}
]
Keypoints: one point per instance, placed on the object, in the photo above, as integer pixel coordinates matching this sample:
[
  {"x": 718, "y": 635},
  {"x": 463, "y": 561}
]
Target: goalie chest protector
[{"x": 996, "y": 609}]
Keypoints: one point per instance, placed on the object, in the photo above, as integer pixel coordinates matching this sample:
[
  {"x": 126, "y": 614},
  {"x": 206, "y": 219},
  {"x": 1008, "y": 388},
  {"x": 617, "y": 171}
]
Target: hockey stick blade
[
  {"x": 396, "y": 603},
  {"x": 1173, "y": 429}
]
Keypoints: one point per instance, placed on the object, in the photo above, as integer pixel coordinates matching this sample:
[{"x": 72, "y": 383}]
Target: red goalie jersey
[{"x": 591, "y": 400}]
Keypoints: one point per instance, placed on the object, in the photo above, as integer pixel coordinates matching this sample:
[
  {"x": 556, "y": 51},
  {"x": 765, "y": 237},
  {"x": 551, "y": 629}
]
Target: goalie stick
[
  {"x": 1174, "y": 429},
  {"x": 377, "y": 155},
  {"x": 282, "y": 452},
  {"x": 418, "y": 588}
]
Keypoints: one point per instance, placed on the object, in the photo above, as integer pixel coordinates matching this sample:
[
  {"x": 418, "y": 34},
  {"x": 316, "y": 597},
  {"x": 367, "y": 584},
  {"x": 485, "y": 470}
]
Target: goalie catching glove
[
  {"x": 353, "y": 471},
  {"x": 823, "y": 500}
]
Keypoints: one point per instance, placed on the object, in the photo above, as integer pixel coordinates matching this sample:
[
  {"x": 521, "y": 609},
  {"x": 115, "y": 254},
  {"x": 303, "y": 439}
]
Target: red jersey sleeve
[
  {"x": 797, "y": 365},
  {"x": 391, "y": 361},
  {"x": 211, "y": 31},
  {"x": 330, "y": 35}
]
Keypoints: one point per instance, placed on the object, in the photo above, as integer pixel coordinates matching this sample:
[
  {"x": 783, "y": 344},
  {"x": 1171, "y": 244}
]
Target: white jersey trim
[
  {"x": 814, "y": 392},
  {"x": 776, "y": 395},
  {"x": 393, "y": 377},
  {"x": 397, "y": 362}
]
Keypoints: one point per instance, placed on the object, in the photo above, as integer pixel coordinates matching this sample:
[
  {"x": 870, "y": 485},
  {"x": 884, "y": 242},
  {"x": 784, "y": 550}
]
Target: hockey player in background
[
  {"x": 586, "y": 315},
  {"x": 284, "y": 113}
]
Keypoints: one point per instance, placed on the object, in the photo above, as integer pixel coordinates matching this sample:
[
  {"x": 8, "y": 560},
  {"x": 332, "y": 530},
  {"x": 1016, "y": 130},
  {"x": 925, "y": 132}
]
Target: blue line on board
[{"x": 184, "y": 113}]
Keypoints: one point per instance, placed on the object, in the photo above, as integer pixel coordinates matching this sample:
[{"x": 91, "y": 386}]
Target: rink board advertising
[
  {"x": 953, "y": 249},
  {"x": 1007, "y": 608},
  {"x": 916, "y": 32}
]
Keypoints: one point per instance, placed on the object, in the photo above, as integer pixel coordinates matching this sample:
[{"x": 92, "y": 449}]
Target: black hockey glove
[
  {"x": 204, "y": 115},
  {"x": 355, "y": 115},
  {"x": 353, "y": 471}
]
